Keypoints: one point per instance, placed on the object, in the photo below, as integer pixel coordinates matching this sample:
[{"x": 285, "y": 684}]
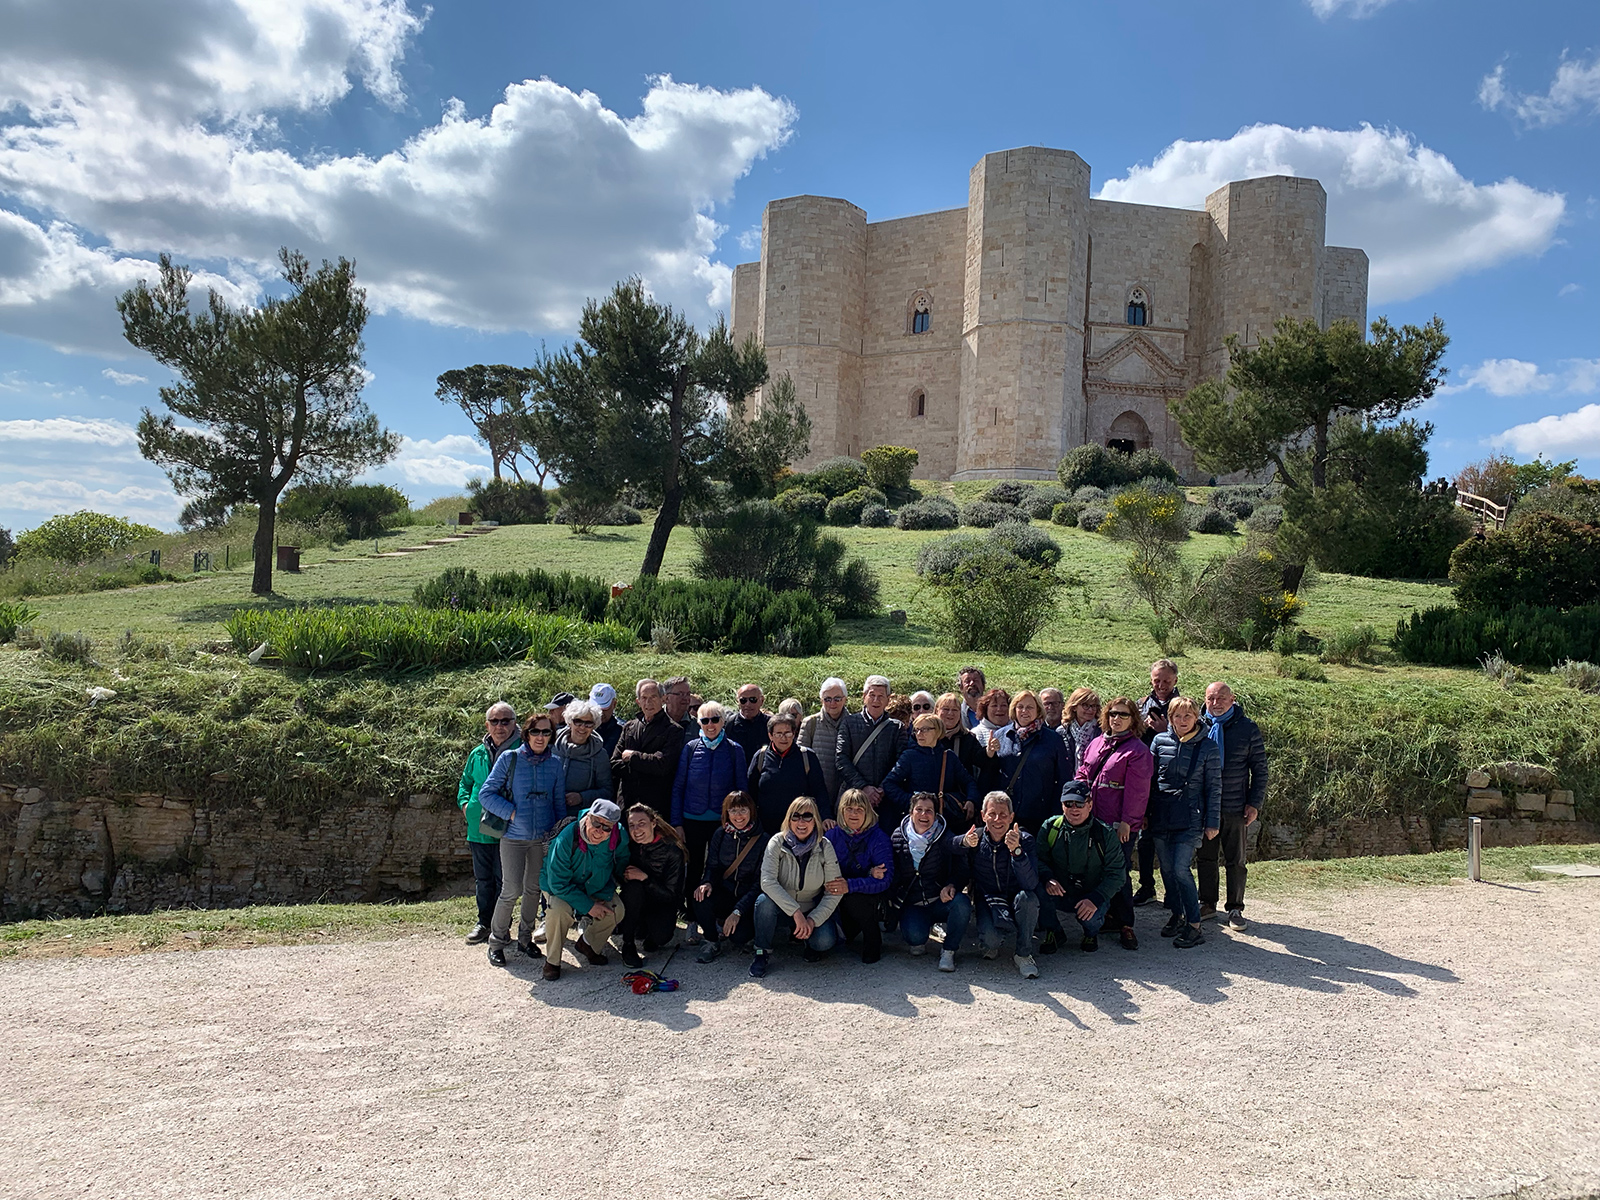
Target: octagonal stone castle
[{"x": 994, "y": 338}]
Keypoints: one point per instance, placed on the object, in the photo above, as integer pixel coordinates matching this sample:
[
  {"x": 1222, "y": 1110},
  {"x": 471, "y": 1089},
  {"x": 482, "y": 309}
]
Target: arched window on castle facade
[
  {"x": 919, "y": 403},
  {"x": 1138, "y": 307},
  {"x": 921, "y": 313}
]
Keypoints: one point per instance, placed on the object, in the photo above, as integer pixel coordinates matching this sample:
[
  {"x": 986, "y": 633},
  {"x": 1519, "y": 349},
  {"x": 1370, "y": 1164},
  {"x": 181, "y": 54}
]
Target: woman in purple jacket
[
  {"x": 866, "y": 867},
  {"x": 1118, "y": 768}
]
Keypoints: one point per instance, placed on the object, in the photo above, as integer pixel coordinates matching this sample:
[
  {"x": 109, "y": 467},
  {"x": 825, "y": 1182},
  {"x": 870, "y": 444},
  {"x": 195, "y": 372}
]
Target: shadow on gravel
[{"x": 1114, "y": 982}]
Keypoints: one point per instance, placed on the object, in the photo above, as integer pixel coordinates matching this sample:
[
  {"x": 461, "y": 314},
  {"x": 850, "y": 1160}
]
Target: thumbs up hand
[{"x": 1014, "y": 838}]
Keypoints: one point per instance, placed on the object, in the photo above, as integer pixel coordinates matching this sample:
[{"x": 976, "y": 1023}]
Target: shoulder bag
[{"x": 492, "y": 823}]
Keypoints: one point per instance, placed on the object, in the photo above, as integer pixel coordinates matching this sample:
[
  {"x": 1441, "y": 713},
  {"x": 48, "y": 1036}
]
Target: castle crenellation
[{"x": 996, "y": 337}]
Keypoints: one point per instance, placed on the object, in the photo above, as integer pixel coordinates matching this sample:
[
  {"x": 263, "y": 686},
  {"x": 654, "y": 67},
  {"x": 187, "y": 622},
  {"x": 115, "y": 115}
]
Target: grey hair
[
  {"x": 998, "y": 797},
  {"x": 581, "y": 708},
  {"x": 1165, "y": 664},
  {"x": 640, "y": 686},
  {"x": 831, "y": 682},
  {"x": 496, "y": 707},
  {"x": 793, "y": 708},
  {"x": 709, "y": 707},
  {"x": 874, "y": 681},
  {"x": 928, "y": 696}
]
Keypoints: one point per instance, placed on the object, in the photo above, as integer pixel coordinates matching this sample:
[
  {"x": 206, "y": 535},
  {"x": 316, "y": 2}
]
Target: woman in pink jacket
[{"x": 1118, "y": 767}]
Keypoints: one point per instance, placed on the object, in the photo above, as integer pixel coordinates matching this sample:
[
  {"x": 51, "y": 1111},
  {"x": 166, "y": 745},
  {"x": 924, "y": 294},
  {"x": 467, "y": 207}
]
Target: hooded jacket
[
  {"x": 725, "y": 846},
  {"x": 1188, "y": 791},
  {"x": 581, "y": 875},
  {"x": 536, "y": 800},
  {"x": 858, "y": 853},
  {"x": 705, "y": 777},
  {"x": 942, "y": 866},
  {"x": 473, "y": 774},
  {"x": 782, "y": 883},
  {"x": 1118, "y": 773},
  {"x": 776, "y": 781}
]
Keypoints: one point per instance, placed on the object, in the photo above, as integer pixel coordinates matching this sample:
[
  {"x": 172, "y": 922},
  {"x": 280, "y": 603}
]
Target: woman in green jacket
[{"x": 500, "y": 725}]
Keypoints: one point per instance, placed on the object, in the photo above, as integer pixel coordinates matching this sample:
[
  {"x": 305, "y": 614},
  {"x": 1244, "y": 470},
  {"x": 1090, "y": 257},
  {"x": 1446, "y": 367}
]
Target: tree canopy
[
  {"x": 267, "y": 394},
  {"x": 494, "y": 399}
]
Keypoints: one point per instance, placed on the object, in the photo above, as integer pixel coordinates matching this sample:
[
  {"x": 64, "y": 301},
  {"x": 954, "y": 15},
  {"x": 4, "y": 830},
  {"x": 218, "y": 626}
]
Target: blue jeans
[
  {"x": 486, "y": 872},
  {"x": 917, "y": 922},
  {"x": 1025, "y": 908},
  {"x": 768, "y": 914},
  {"x": 1175, "y": 852}
]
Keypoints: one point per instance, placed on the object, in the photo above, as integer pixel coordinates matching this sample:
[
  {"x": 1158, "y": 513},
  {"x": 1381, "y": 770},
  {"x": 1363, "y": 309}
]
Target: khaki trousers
[{"x": 559, "y": 919}]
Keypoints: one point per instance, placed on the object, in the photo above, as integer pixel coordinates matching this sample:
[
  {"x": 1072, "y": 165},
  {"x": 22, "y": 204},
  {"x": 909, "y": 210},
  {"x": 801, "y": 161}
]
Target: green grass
[{"x": 313, "y": 923}]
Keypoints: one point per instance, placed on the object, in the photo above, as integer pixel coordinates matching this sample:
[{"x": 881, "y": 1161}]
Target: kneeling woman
[
  {"x": 798, "y": 865},
  {"x": 724, "y": 901},
  {"x": 930, "y": 881},
  {"x": 652, "y": 883},
  {"x": 866, "y": 871}
]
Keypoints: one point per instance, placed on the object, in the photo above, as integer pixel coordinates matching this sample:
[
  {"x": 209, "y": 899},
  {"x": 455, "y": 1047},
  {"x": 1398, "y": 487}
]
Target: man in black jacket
[
  {"x": 1163, "y": 687},
  {"x": 645, "y": 761},
  {"x": 749, "y": 727},
  {"x": 1244, "y": 790},
  {"x": 869, "y": 742},
  {"x": 1005, "y": 881}
]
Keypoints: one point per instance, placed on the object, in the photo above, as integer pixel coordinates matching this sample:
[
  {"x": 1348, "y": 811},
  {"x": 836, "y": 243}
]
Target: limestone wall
[
  {"x": 1271, "y": 263},
  {"x": 1344, "y": 285}
]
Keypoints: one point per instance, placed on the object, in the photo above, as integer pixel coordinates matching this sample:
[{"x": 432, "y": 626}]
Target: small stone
[
  {"x": 93, "y": 881},
  {"x": 1560, "y": 812},
  {"x": 1484, "y": 801},
  {"x": 1532, "y": 802},
  {"x": 1478, "y": 778},
  {"x": 30, "y": 796},
  {"x": 1523, "y": 774},
  {"x": 1561, "y": 796},
  {"x": 897, "y": 616},
  {"x": 174, "y": 804}
]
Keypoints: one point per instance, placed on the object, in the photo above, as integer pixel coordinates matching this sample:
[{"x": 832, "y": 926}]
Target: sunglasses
[
  {"x": 541, "y": 731},
  {"x": 922, "y": 708},
  {"x": 801, "y": 817},
  {"x": 1076, "y": 801},
  {"x": 1126, "y": 716},
  {"x": 580, "y": 721},
  {"x": 500, "y": 720},
  {"x": 749, "y": 699},
  {"x": 711, "y": 720}
]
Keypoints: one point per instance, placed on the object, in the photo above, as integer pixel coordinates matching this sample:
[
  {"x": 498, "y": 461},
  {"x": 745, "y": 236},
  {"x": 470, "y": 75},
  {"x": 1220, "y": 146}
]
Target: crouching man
[
  {"x": 1004, "y": 878},
  {"x": 1081, "y": 863},
  {"x": 586, "y": 859}
]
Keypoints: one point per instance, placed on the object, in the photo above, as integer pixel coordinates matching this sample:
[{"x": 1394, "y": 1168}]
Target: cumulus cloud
[
  {"x": 80, "y": 430},
  {"x": 1575, "y": 91},
  {"x": 1572, "y": 435},
  {"x": 445, "y": 462},
  {"x": 1356, "y": 8},
  {"x": 123, "y": 378},
  {"x": 1516, "y": 377},
  {"x": 1421, "y": 223},
  {"x": 46, "y": 497}
]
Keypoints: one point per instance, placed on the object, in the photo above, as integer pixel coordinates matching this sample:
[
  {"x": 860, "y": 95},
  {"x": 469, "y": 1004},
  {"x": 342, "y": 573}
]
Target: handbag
[{"x": 492, "y": 823}]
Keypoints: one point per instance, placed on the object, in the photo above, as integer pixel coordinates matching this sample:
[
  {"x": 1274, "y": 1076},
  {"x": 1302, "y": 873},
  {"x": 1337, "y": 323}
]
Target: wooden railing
[{"x": 1484, "y": 508}]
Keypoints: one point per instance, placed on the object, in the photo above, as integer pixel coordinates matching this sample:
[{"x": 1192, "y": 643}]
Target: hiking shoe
[
  {"x": 1236, "y": 919},
  {"x": 592, "y": 956},
  {"x": 871, "y": 956},
  {"x": 527, "y": 948},
  {"x": 497, "y": 956},
  {"x": 918, "y": 951},
  {"x": 947, "y": 960},
  {"x": 991, "y": 951},
  {"x": 631, "y": 955},
  {"x": 758, "y": 967},
  {"x": 479, "y": 935},
  {"x": 1047, "y": 944},
  {"x": 1129, "y": 939},
  {"x": 708, "y": 952},
  {"x": 1191, "y": 936},
  {"x": 552, "y": 971},
  {"x": 1173, "y": 926},
  {"x": 1026, "y": 966},
  {"x": 1143, "y": 896},
  {"x": 1090, "y": 943},
  {"x": 1208, "y": 912}
]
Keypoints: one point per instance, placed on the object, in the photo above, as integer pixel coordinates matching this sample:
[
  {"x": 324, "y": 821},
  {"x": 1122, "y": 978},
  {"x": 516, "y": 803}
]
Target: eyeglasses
[
  {"x": 711, "y": 720},
  {"x": 541, "y": 731},
  {"x": 579, "y": 721},
  {"x": 499, "y": 720},
  {"x": 922, "y": 708},
  {"x": 749, "y": 699},
  {"x": 833, "y": 699}
]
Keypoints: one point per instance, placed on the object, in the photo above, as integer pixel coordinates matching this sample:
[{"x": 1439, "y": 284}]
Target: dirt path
[{"x": 1429, "y": 1042}]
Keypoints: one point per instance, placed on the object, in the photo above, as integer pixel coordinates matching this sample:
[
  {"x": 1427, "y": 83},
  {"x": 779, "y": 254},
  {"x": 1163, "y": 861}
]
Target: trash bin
[
  {"x": 464, "y": 518},
  {"x": 289, "y": 558}
]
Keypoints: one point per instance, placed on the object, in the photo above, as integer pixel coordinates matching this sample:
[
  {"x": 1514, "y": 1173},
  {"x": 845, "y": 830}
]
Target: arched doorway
[{"x": 1128, "y": 433}]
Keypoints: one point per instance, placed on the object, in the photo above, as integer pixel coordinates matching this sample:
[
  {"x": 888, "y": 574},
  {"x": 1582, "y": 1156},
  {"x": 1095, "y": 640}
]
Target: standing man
[
  {"x": 749, "y": 727},
  {"x": 1054, "y": 706},
  {"x": 869, "y": 742},
  {"x": 1163, "y": 687},
  {"x": 1244, "y": 790},
  {"x": 500, "y": 725},
  {"x": 971, "y": 683},
  {"x": 819, "y": 733},
  {"x": 681, "y": 705},
  {"x": 604, "y": 697},
  {"x": 645, "y": 762}
]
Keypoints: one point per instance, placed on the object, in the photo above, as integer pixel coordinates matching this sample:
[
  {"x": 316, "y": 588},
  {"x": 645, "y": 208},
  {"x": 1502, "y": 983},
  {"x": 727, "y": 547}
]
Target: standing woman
[
  {"x": 500, "y": 735},
  {"x": 1186, "y": 807},
  {"x": 866, "y": 872},
  {"x": 952, "y": 715},
  {"x": 585, "y": 756},
  {"x": 1033, "y": 762},
  {"x": 820, "y": 733},
  {"x": 796, "y": 868},
  {"x": 1118, "y": 768},
  {"x": 781, "y": 772},
  {"x": 724, "y": 903},
  {"x": 652, "y": 883},
  {"x": 928, "y": 765},
  {"x": 1083, "y": 719},
  {"x": 711, "y": 766},
  {"x": 528, "y": 790}
]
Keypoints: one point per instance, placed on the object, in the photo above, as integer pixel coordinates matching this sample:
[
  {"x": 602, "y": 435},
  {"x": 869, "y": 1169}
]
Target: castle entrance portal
[{"x": 1128, "y": 433}]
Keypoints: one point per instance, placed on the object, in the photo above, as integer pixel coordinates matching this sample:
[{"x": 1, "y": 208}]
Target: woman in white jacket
[{"x": 795, "y": 872}]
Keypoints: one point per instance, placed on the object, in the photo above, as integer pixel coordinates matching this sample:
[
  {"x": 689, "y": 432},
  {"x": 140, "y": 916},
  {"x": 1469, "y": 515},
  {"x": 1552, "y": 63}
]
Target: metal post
[{"x": 1475, "y": 849}]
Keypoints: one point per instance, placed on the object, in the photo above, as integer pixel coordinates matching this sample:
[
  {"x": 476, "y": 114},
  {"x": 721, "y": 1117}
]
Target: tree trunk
[
  {"x": 671, "y": 484},
  {"x": 666, "y": 518},
  {"x": 265, "y": 550}
]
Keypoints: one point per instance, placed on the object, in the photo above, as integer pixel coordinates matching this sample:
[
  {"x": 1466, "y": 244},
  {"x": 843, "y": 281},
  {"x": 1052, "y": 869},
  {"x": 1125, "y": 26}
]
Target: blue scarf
[
  {"x": 1216, "y": 727},
  {"x": 713, "y": 743}
]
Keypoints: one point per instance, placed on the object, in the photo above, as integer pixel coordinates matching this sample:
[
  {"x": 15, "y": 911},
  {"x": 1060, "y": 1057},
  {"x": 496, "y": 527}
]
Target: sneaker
[
  {"x": 497, "y": 956},
  {"x": 918, "y": 951},
  {"x": 592, "y": 956},
  {"x": 479, "y": 935},
  {"x": 552, "y": 971},
  {"x": 1208, "y": 912},
  {"x": 538, "y": 932},
  {"x": 758, "y": 967},
  {"x": 1129, "y": 939},
  {"x": 631, "y": 955},
  {"x": 691, "y": 935},
  {"x": 1173, "y": 926},
  {"x": 1026, "y": 966},
  {"x": 1090, "y": 943},
  {"x": 1191, "y": 936},
  {"x": 947, "y": 960},
  {"x": 1143, "y": 896},
  {"x": 1236, "y": 919},
  {"x": 1047, "y": 944},
  {"x": 708, "y": 952}
]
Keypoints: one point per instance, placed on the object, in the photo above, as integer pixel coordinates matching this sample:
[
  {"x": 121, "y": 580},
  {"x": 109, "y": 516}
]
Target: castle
[{"x": 993, "y": 338}]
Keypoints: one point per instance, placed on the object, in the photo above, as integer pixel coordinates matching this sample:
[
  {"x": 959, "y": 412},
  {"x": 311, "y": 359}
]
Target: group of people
[{"x": 1028, "y": 813}]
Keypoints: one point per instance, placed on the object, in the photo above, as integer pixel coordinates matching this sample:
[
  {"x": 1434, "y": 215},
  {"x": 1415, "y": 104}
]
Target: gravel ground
[{"x": 1427, "y": 1042}]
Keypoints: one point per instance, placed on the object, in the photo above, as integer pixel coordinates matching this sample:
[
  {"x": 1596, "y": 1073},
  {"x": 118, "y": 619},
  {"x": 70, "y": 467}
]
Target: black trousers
[
  {"x": 1147, "y": 861},
  {"x": 859, "y": 912},
  {"x": 644, "y": 917},
  {"x": 1229, "y": 843},
  {"x": 697, "y": 836},
  {"x": 711, "y": 912}
]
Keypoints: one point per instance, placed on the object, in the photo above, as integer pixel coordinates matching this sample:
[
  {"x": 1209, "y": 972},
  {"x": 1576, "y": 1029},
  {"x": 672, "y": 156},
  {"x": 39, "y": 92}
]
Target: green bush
[
  {"x": 1092, "y": 465},
  {"x": 1531, "y": 636},
  {"x": 442, "y": 511},
  {"x": 1349, "y": 646},
  {"x": 1235, "y": 602},
  {"x": 993, "y": 601},
  {"x": 1205, "y": 519},
  {"x": 1090, "y": 495},
  {"x": 360, "y": 508},
  {"x": 876, "y": 516},
  {"x": 982, "y": 514},
  {"x": 1576, "y": 499},
  {"x": 1265, "y": 519},
  {"x": 758, "y": 541},
  {"x": 1042, "y": 501},
  {"x": 1028, "y": 542},
  {"x": 1579, "y": 676},
  {"x": 1091, "y": 517},
  {"x": 948, "y": 556},
  {"x": 728, "y": 616},
  {"x": 832, "y": 477},
  {"x": 811, "y": 505},
  {"x": 889, "y": 469},
  {"x": 8, "y": 547},
  {"x": 69, "y": 647},
  {"x": 81, "y": 536},
  {"x": 1297, "y": 668},
  {"x": 846, "y": 509},
  {"x": 582, "y": 596},
  {"x": 508, "y": 502},
  {"x": 391, "y": 637},
  {"x": 12, "y": 614},
  {"x": 1065, "y": 514},
  {"x": 1008, "y": 491},
  {"x": 584, "y": 517},
  {"x": 1545, "y": 561},
  {"x": 932, "y": 512}
]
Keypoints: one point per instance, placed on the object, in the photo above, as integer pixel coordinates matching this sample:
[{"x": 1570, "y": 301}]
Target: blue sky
[{"x": 490, "y": 164}]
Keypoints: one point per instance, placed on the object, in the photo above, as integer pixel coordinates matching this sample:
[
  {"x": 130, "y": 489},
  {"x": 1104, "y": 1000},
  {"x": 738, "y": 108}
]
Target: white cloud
[
  {"x": 443, "y": 462},
  {"x": 123, "y": 378},
  {"x": 1515, "y": 377},
  {"x": 1574, "y": 91},
  {"x": 1570, "y": 289},
  {"x": 74, "y": 430},
  {"x": 1572, "y": 435},
  {"x": 155, "y": 506},
  {"x": 1421, "y": 223},
  {"x": 1357, "y": 8}
]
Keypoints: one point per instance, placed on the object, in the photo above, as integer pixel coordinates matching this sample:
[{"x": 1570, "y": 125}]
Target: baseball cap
[{"x": 602, "y": 695}]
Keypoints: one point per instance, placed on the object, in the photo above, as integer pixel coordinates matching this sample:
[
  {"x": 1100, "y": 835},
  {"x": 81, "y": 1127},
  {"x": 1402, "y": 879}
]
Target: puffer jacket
[
  {"x": 781, "y": 880},
  {"x": 1188, "y": 791},
  {"x": 1244, "y": 762},
  {"x": 878, "y": 751},
  {"x": 820, "y": 734},
  {"x": 775, "y": 781},
  {"x": 535, "y": 801},
  {"x": 1088, "y": 856},
  {"x": 917, "y": 770},
  {"x": 859, "y": 853},
  {"x": 588, "y": 768},
  {"x": 942, "y": 866},
  {"x": 1118, "y": 773},
  {"x": 725, "y": 846},
  {"x": 663, "y": 862},
  {"x": 705, "y": 777},
  {"x": 994, "y": 870},
  {"x": 1032, "y": 772}
]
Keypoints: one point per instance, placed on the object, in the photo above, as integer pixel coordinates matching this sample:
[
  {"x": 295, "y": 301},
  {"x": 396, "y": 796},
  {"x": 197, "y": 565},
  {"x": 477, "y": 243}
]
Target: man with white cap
[
  {"x": 580, "y": 878},
  {"x": 604, "y": 697}
]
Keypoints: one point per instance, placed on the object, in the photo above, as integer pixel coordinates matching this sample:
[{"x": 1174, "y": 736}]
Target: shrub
[
  {"x": 1091, "y": 516},
  {"x": 846, "y": 509},
  {"x": 508, "y": 502},
  {"x": 1265, "y": 519},
  {"x": 80, "y": 536},
  {"x": 360, "y": 509},
  {"x": 1580, "y": 676},
  {"x": 392, "y": 637},
  {"x": 1500, "y": 669},
  {"x": 1576, "y": 499},
  {"x": 731, "y": 616},
  {"x": 1349, "y": 646},
  {"x": 889, "y": 469},
  {"x": 1532, "y": 636},
  {"x": 8, "y": 547},
  {"x": 1008, "y": 491},
  {"x": 1148, "y": 464},
  {"x": 1236, "y": 601},
  {"x": 797, "y": 503},
  {"x": 1066, "y": 514},
  {"x": 993, "y": 601},
  {"x": 70, "y": 648},
  {"x": 832, "y": 477},
  {"x": 758, "y": 541},
  {"x": 1043, "y": 500},
  {"x": 876, "y": 516},
  {"x": 442, "y": 511},
  {"x": 1089, "y": 495},
  {"x": 1205, "y": 519},
  {"x": 1545, "y": 560},
  {"x": 856, "y": 593},
  {"x": 582, "y": 596},
  {"x": 943, "y": 556},
  {"x": 1093, "y": 465},
  {"x": 12, "y": 614},
  {"x": 1147, "y": 514},
  {"x": 947, "y": 556},
  {"x": 584, "y": 517},
  {"x": 1028, "y": 542},
  {"x": 1298, "y": 668},
  {"x": 982, "y": 514},
  {"x": 934, "y": 512}
]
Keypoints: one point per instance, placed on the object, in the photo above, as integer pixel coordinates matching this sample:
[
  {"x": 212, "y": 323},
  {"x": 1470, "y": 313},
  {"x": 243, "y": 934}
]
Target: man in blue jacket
[
  {"x": 1005, "y": 878},
  {"x": 1244, "y": 791}
]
